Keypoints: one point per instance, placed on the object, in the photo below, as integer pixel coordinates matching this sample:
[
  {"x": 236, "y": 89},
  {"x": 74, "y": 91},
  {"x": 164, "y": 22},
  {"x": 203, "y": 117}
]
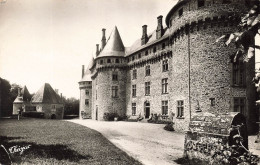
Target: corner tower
[
  {"x": 109, "y": 78},
  {"x": 210, "y": 78},
  {"x": 85, "y": 86}
]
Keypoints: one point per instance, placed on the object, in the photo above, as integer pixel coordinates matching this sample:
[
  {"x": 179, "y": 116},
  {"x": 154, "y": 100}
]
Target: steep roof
[
  {"x": 151, "y": 40},
  {"x": 25, "y": 96},
  {"x": 114, "y": 45},
  {"x": 87, "y": 74},
  {"x": 46, "y": 95}
]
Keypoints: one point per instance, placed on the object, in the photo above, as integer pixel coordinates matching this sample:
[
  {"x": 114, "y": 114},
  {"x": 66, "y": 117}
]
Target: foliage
[
  {"x": 6, "y": 99},
  {"x": 157, "y": 119},
  {"x": 71, "y": 106},
  {"x": 109, "y": 116},
  {"x": 169, "y": 127},
  {"x": 59, "y": 142},
  {"x": 33, "y": 114}
]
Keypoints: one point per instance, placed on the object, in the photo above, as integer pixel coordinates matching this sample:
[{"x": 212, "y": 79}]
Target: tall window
[
  {"x": 86, "y": 102},
  {"x": 201, "y": 3},
  {"x": 238, "y": 74},
  {"x": 134, "y": 90},
  {"x": 212, "y": 102},
  {"x": 147, "y": 88},
  {"x": 134, "y": 74},
  {"x": 163, "y": 45},
  {"x": 154, "y": 49},
  {"x": 117, "y": 60},
  {"x": 165, "y": 85},
  {"x": 165, "y": 65},
  {"x": 164, "y": 107},
  {"x": 109, "y": 60},
  {"x": 114, "y": 91},
  {"x": 146, "y": 52},
  {"x": 133, "y": 58},
  {"x": 133, "y": 109},
  {"x": 101, "y": 62},
  {"x": 87, "y": 92},
  {"x": 147, "y": 70},
  {"x": 115, "y": 76},
  {"x": 180, "y": 108},
  {"x": 139, "y": 55},
  {"x": 239, "y": 104}
]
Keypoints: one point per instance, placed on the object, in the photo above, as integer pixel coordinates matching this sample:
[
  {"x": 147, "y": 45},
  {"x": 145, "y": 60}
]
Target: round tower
[
  {"x": 212, "y": 78},
  {"x": 85, "y": 86},
  {"x": 109, "y": 78}
]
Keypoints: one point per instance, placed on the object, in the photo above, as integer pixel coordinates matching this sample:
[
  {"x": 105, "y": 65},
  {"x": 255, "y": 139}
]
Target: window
[
  {"x": 86, "y": 102},
  {"x": 109, "y": 60},
  {"x": 146, "y": 52},
  {"x": 134, "y": 90},
  {"x": 201, "y": 3},
  {"x": 115, "y": 76},
  {"x": 133, "y": 58},
  {"x": 101, "y": 62},
  {"x": 226, "y": 1},
  {"x": 114, "y": 91},
  {"x": 165, "y": 65},
  {"x": 134, "y": 74},
  {"x": 147, "y": 70},
  {"x": 165, "y": 85},
  {"x": 147, "y": 88},
  {"x": 163, "y": 45},
  {"x": 164, "y": 107},
  {"x": 238, "y": 74},
  {"x": 180, "y": 12},
  {"x": 239, "y": 104},
  {"x": 87, "y": 92},
  {"x": 139, "y": 55},
  {"x": 154, "y": 49},
  {"x": 212, "y": 102},
  {"x": 133, "y": 109},
  {"x": 117, "y": 60},
  {"x": 180, "y": 109}
]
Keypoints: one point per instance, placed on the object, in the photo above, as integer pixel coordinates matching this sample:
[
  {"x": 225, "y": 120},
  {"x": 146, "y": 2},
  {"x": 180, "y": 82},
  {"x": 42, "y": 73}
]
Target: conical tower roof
[
  {"x": 46, "y": 95},
  {"x": 114, "y": 45}
]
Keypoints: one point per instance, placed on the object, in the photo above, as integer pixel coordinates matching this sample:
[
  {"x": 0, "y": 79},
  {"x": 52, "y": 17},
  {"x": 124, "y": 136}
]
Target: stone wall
[{"x": 48, "y": 111}]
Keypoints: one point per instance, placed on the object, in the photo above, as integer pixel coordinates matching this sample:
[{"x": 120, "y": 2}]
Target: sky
[{"x": 48, "y": 41}]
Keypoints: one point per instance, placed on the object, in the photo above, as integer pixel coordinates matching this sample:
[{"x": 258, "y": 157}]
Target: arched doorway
[{"x": 146, "y": 109}]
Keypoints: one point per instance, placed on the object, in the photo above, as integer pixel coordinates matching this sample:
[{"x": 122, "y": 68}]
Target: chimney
[
  {"x": 103, "y": 41},
  {"x": 57, "y": 91},
  {"x": 19, "y": 92},
  {"x": 159, "y": 30},
  {"x": 83, "y": 71},
  {"x": 97, "y": 52},
  {"x": 144, "y": 36}
]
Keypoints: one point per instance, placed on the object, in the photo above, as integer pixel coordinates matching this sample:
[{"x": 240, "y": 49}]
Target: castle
[{"x": 176, "y": 71}]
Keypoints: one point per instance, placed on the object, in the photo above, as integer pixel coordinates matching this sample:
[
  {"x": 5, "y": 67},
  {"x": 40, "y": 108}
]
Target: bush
[
  {"x": 169, "y": 127},
  {"x": 33, "y": 114},
  {"x": 110, "y": 116}
]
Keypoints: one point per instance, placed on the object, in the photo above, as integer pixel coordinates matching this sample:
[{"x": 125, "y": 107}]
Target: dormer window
[
  {"x": 201, "y": 3},
  {"x": 101, "y": 62},
  {"x": 154, "y": 49},
  {"x": 163, "y": 45},
  {"x": 133, "y": 58},
  {"x": 180, "y": 12},
  {"x": 139, "y": 55},
  {"x": 146, "y": 52},
  {"x": 109, "y": 60},
  {"x": 117, "y": 60}
]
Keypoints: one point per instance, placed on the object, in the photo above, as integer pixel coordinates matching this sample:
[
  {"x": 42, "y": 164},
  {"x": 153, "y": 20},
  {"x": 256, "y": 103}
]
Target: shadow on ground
[{"x": 35, "y": 151}]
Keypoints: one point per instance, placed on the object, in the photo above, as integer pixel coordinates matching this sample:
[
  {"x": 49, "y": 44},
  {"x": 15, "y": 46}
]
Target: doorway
[
  {"x": 96, "y": 112},
  {"x": 146, "y": 109}
]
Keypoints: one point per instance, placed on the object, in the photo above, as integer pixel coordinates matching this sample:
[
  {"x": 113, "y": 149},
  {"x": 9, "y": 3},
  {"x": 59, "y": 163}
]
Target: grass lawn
[{"x": 58, "y": 142}]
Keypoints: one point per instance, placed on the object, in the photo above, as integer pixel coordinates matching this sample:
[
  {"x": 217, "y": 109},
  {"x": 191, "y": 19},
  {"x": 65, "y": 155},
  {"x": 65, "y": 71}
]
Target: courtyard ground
[{"x": 148, "y": 143}]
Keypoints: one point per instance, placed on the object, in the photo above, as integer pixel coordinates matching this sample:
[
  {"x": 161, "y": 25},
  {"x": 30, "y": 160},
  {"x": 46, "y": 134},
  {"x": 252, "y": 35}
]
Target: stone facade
[{"x": 200, "y": 74}]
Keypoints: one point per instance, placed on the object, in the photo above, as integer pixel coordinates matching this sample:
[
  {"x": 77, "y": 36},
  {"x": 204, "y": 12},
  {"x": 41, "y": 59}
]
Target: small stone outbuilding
[{"x": 22, "y": 100}]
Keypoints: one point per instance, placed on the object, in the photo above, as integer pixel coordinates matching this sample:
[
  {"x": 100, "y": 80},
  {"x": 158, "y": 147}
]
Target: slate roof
[
  {"x": 25, "y": 96},
  {"x": 114, "y": 45},
  {"x": 151, "y": 40},
  {"x": 46, "y": 95},
  {"x": 87, "y": 74}
]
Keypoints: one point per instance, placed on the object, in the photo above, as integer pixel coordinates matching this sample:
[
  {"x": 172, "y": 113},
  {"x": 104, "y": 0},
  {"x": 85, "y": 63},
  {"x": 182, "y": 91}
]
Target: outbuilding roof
[
  {"x": 114, "y": 45},
  {"x": 46, "y": 95},
  {"x": 25, "y": 96}
]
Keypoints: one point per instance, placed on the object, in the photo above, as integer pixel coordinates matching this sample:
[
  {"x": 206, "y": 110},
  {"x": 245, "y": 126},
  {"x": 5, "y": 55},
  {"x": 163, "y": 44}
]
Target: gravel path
[{"x": 148, "y": 143}]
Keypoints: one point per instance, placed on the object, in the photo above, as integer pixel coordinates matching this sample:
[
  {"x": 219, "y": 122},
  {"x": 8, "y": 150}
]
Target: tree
[{"x": 6, "y": 101}]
